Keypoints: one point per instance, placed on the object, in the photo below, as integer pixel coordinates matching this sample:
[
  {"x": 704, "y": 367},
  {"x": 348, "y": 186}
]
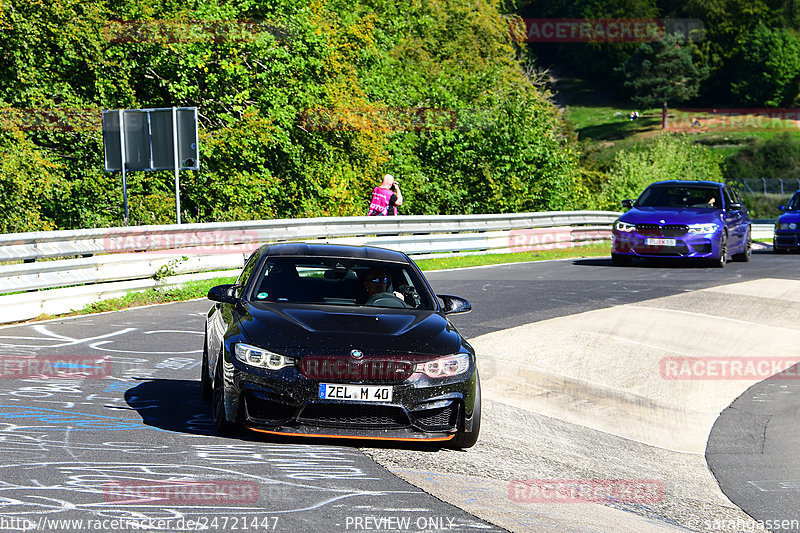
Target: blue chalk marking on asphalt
[
  {"x": 73, "y": 365},
  {"x": 81, "y": 421}
]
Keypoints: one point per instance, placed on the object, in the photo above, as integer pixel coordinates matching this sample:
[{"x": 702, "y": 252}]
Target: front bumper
[
  {"x": 634, "y": 244},
  {"x": 287, "y": 402},
  {"x": 786, "y": 240}
]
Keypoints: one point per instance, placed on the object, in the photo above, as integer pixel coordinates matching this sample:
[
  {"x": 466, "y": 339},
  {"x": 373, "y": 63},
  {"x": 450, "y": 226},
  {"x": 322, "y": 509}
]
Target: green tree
[
  {"x": 663, "y": 72},
  {"x": 768, "y": 67}
]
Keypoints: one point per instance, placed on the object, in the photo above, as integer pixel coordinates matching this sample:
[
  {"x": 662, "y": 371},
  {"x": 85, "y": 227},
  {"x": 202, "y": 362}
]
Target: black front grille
[
  {"x": 441, "y": 419},
  {"x": 649, "y": 230},
  {"x": 355, "y": 415},
  {"x": 786, "y": 240},
  {"x": 656, "y": 230},
  {"x": 662, "y": 251},
  {"x": 674, "y": 230}
]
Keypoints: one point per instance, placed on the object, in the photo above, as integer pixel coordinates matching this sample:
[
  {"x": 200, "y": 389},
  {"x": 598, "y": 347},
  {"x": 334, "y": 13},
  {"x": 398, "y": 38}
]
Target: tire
[
  {"x": 621, "y": 260},
  {"x": 205, "y": 379},
  {"x": 744, "y": 255},
  {"x": 467, "y": 439},
  {"x": 221, "y": 423},
  {"x": 720, "y": 261}
]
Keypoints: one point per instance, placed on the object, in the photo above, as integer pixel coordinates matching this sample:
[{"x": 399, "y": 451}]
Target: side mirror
[
  {"x": 781, "y": 208},
  {"x": 734, "y": 207},
  {"x": 627, "y": 203},
  {"x": 455, "y": 304},
  {"x": 223, "y": 293}
]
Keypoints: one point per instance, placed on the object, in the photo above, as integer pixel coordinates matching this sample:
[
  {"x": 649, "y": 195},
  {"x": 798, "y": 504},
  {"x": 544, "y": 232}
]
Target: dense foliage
[
  {"x": 665, "y": 158},
  {"x": 749, "y": 47},
  {"x": 303, "y": 106},
  {"x": 778, "y": 157}
]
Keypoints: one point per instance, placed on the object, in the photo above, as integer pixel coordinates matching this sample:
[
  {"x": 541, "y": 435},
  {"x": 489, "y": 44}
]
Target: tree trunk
[{"x": 664, "y": 116}]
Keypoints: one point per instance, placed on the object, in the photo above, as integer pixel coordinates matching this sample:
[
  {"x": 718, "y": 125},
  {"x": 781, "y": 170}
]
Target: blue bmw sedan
[
  {"x": 787, "y": 232},
  {"x": 693, "y": 220}
]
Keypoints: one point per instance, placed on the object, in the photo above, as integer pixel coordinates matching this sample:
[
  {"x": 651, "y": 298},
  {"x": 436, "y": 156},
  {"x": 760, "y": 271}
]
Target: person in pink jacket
[{"x": 385, "y": 198}]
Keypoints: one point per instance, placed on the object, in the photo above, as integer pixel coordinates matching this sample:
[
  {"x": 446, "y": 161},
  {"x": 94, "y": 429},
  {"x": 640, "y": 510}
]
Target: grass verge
[
  {"x": 590, "y": 250},
  {"x": 199, "y": 289}
]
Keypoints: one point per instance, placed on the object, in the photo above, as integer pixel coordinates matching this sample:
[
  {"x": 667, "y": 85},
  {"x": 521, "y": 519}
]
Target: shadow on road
[
  {"x": 176, "y": 405},
  {"x": 658, "y": 263}
]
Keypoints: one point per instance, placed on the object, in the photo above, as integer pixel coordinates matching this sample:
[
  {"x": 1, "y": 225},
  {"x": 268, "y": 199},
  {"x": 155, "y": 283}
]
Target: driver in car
[{"x": 376, "y": 283}]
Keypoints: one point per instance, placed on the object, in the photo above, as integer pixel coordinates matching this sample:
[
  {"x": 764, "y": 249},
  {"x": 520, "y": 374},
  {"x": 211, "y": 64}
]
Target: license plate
[
  {"x": 660, "y": 242},
  {"x": 355, "y": 393}
]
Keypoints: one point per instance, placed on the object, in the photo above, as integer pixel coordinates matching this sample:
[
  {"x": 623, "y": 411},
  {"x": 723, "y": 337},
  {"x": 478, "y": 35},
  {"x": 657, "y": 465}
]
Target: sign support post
[
  {"x": 122, "y": 157},
  {"x": 177, "y": 164}
]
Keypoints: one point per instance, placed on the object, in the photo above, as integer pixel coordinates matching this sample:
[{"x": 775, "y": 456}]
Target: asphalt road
[
  {"x": 512, "y": 295},
  {"x": 131, "y": 439},
  {"x": 137, "y": 443},
  {"x": 752, "y": 451}
]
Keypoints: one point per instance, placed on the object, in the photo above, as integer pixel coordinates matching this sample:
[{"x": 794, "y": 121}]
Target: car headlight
[
  {"x": 261, "y": 358},
  {"x": 445, "y": 367},
  {"x": 787, "y": 225},
  {"x": 703, "y": 228},
  {"x": 624, "y": 226}
]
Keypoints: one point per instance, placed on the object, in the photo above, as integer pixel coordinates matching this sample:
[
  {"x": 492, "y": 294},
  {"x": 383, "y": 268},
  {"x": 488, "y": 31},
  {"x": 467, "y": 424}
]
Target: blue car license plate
[{"x": 660, "y": 242}]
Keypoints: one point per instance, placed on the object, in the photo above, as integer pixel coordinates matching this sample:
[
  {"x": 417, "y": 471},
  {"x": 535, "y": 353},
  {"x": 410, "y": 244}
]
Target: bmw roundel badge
[{"x": 356, "y": 354}]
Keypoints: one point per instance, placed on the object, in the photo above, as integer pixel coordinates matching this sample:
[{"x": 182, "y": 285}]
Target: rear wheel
[
  {"x": 221, "y": 423},
  {"x": 744, "y": 255},
  {"x": 467, "y": 439},
  {"x": 621, "y": 260}
]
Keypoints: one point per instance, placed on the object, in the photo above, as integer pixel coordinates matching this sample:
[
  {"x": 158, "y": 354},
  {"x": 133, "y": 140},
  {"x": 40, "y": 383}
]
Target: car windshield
[
  {"x": 338, "y": 281},
  {"x": 794, "y": 203},
  {"x": 680, "y": 196}
]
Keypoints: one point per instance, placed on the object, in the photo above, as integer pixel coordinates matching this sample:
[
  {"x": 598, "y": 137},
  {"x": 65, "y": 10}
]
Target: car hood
[
  {"x": 671, "y": 215},
  {"x": 789, "y": 216},
  {"x": 334, "y": 330}
]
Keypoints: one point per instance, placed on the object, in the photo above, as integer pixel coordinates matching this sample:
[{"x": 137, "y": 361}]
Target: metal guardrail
[
  {"x": 89, "y": 264},
  {"x": 51, "y": 244}
]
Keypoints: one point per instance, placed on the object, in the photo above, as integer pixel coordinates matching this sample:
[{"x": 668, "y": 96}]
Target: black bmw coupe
[{"x": 339, "y": 341}]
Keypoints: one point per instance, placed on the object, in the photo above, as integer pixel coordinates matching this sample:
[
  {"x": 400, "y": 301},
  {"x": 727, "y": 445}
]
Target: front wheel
[
  {"x": 205, "y": 380},
  {"x": 744, "y": 255},
  {"x": 221, "y": 423},
  {"x": 467, "y": 439},
  {"x": 720, "y": 261}
]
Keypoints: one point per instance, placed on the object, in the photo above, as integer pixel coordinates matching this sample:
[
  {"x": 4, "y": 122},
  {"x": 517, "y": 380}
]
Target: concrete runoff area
[{"x": 589, "y": 397}]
